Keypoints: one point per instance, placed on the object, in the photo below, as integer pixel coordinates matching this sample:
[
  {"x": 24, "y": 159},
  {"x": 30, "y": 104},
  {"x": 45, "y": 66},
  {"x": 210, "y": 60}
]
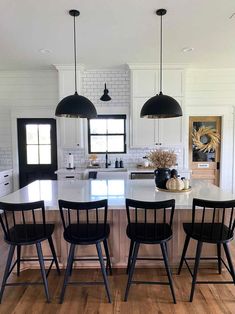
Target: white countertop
[{"x": 114, "y": 190}]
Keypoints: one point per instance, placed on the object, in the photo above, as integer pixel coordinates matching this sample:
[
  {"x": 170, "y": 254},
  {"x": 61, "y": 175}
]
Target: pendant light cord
[
  {"x": 75, "y": 54},
  {"x": 161, "y": 56}
]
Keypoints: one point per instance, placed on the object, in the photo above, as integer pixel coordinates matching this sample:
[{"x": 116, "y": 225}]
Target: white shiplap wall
[
  {"x": 210, "y": 87},
  {"x": 212, "y": 92},
  {"x": 23, "y": 89}
]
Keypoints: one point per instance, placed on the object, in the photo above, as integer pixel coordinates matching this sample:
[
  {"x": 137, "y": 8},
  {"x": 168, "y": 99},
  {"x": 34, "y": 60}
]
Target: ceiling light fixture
[
  {"x": 105, "y": 97},
  {"x": 187, "y": 49},
  {"x": 161, "y": 106},
  {"x": 44, "y": 50},
  {"x": 75, "y": 106}
]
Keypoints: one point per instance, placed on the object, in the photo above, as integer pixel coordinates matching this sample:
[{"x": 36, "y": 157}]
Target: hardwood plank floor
[
  {"x": 142, "y": 298},
  {"x": 145, "y": 299}
]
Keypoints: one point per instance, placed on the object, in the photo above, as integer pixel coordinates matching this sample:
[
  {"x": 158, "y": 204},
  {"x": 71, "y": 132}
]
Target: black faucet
[{"x": 107, "y": 163}]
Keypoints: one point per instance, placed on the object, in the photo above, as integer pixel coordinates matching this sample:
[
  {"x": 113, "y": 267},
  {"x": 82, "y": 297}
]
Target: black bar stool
[
  {"x": 85, "y": 223},
  {"x": 212, "y": 222},
  {"x": 25, "y": 224},
  {"x": 148, "y": 224}
]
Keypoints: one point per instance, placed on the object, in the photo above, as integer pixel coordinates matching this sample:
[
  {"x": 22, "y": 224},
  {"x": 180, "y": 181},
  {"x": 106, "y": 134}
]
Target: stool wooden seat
[
  {"x": 212, "y": 222},
  {"x": 25, "y": 224},
  {"x": 85, "y": 223},
  {"x": 149, "y": 223}
]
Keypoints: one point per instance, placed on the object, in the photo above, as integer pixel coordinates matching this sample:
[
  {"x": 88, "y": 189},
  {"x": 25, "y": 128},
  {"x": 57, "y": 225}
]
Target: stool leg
[
  {"x": 186, "y": 243},
  {"x": 130, "y": 256},
  {"x": 18, "y": 259},
  {"x": 229, "y": 259},
  {"x": 219, "y": 257},
  {"x": 7, "y": 268},
  {"x": 99, "y": 251},
  {"x": 132, "y": 267},
  {"x": 196, "y": 265},
  {"x": 106, "y": 248},
  {"x": 165, "y": 258},
  {"x": 54, "y": 254},
  {"x": 68, "y": 268},
  {"x": 42, "y": 268}
]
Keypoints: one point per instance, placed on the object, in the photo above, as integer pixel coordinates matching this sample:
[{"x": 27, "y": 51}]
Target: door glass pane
[
  {"x": 98, "y": 144},
  {"x": 115, "y": 143},
  {"x": 98, "y": 126},
  {"x": 116, "y": 126},
  {"x": 31, "y": 134},
  {"x": 45, "y": 154},
  {"x": 44, "y": 134},
  {"x": 199, "y": 155},
  {"x": 32, "y": 155}
]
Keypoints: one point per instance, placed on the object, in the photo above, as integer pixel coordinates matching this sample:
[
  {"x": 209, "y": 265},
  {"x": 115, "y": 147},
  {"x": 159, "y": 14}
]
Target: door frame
[
  {"x": 218, "y": 121},
  {"x": 227, "y": 171},
  {"x": 27, "y": 112}
]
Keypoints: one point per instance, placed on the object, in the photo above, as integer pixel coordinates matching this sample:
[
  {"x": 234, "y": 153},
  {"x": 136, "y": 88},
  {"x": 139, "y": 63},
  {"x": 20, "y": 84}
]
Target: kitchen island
[{"x": 115, "y": 191}]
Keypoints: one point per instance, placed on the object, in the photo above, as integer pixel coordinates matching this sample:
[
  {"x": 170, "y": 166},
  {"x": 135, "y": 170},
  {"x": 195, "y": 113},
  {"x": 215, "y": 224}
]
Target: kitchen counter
[
  {"x": 116, "y": 191},
  {"x": 83, "y": 172}
]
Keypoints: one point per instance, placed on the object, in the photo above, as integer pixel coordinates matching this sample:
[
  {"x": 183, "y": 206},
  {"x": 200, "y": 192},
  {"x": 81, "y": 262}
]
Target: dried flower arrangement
[{"x": 162, "y": 158}]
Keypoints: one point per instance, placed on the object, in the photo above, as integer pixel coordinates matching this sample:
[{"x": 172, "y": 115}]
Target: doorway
[
  {"x": 204, "y": 148},
  {"x": 37, "y": 150}
]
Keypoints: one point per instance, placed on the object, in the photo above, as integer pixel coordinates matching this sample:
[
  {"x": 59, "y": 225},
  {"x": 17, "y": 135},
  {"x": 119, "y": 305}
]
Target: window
[
  {"x": 107, "y": 133},
  {"x": 38, "y": 144}
]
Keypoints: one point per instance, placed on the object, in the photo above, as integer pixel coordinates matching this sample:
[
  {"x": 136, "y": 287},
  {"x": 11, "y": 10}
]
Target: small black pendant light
[
  {"x": 105, "y": 97},
  {"x": 75, "y": 106},
  {"x": 161, "y": 106}
]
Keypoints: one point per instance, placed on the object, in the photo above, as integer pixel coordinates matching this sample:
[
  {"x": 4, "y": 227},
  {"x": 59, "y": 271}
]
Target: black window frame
[{"x": 109, "y": 116}]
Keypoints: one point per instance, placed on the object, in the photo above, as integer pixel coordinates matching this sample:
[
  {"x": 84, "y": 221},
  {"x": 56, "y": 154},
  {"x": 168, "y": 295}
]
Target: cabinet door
[
  {"x": 71, "y": 134},
  {"x": 172, "y": 82},
  {"x": 71, "y": 129},
  {"x": 170, "y": 130},
  {"x": 144, "y": 83},
  {"x": 143, "y": 129}
]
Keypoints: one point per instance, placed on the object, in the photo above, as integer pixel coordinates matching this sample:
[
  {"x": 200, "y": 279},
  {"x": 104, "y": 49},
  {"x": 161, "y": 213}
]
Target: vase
[{"x": 161, "y": 176}]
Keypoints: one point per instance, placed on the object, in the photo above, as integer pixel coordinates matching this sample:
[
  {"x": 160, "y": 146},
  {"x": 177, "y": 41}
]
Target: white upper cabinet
[
  {"x": 70, "y": 129},
  {"x": 142, "y": 129},
  {"x": 168, "y": 131},
  {"x": 150, "y": 132},
  {"x": 172, "y": 83},
  {"x": 71, "y": 132},
  {"x": 144, "y": 83}
]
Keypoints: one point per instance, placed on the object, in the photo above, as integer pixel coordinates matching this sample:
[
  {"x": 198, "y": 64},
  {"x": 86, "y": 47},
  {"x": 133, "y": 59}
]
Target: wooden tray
[{"x": 174, "y": 191}]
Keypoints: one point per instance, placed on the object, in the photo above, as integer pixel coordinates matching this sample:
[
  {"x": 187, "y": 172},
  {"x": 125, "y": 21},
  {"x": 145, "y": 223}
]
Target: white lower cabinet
[
  {"x": 76, "y": 176},
  {"x": 6, "y": 186},
  {"x": 149, "y": 132}
]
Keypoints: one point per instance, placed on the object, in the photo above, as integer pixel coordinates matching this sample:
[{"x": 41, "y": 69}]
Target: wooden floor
[{"x": 145, "y": 299}]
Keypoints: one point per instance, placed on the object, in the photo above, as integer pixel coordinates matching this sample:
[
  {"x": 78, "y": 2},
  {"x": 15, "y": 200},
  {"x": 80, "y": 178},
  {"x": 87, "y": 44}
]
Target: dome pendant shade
[
  {"x": 75, "y": 106},
  {"x": 161, "y": 106},
  {"x": 105, "y": 97}
]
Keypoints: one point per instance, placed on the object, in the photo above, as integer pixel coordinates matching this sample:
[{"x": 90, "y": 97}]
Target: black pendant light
[
  {"x": 75, "y": 106},
  {"x": 161, "y": 106},
  {"x": 105, "y": 97}
]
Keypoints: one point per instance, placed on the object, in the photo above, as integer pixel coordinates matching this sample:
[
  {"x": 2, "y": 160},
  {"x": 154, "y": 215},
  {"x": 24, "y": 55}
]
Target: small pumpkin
[{"x": 175, "y": 184}]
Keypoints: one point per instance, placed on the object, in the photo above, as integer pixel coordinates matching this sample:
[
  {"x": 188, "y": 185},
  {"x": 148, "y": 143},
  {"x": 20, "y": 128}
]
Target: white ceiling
[{"x": 111, "y": 33}]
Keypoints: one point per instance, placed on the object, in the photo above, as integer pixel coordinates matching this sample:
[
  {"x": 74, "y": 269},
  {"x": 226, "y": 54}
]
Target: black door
[{"x": 37, "y": 149}]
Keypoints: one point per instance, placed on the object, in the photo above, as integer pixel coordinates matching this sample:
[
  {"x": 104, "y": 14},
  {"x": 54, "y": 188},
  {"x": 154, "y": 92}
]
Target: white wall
[{"x": 23, "y": 89}]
